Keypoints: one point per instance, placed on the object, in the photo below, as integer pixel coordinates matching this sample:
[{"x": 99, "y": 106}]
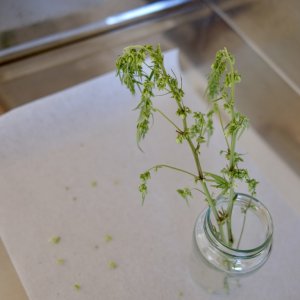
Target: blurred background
[{"x": 47, "y": 46}]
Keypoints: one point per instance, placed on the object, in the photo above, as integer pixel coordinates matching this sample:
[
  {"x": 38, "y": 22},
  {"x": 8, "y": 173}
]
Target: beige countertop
[{"x": 91, "y": 195}]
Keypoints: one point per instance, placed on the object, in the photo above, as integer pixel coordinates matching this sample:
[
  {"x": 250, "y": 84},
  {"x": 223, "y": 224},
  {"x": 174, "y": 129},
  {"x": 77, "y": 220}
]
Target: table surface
[{"x": 70, "y": 168}]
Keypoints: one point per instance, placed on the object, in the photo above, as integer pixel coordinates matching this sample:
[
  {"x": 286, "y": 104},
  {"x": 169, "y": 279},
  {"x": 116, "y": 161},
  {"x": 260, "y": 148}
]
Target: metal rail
[{"x": 116, "y": 22}]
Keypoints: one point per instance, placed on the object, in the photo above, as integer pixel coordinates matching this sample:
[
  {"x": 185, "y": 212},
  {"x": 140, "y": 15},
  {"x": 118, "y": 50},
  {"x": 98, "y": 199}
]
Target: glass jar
[{"x": 219, "y": 267}]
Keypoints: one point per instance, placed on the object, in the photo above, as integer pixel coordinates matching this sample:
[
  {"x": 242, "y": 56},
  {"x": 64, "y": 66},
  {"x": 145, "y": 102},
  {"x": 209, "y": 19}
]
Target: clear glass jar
[{"x": 217, "y": 266}]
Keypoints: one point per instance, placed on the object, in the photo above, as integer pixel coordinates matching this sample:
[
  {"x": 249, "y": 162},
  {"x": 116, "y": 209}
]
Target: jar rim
[{"x": 246, "y": 253}]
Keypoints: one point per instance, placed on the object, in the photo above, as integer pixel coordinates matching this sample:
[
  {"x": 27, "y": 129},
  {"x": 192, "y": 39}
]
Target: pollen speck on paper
[
  {"x": 108, "y": 238},
  {"x": 112, "y": 264},
  {"x": 55, "y": 240},
  {"x": 94, "y": 183},
  {"x": 60, "y": 261}
]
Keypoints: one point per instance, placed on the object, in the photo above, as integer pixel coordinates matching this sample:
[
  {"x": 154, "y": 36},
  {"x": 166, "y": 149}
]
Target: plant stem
[
  {"x": 231, "y": 160},
  {"x": 212, "y": 205},
  {"x": 242, "y": 230},
  {"x": 167, "y": 118},
  {"x": 232, "y": 151},
  {"x": 210, "y": 200},
  {"x": 222, "y": 126},
  {"x": 196, "y": 159},
  {"x": 243, "y": 226},
  {"x": 229, "y": 217},
  {"x": 185, "y": 128},
  {"x": 173, "y": 168},
  {"x": 231, "y": 193}
]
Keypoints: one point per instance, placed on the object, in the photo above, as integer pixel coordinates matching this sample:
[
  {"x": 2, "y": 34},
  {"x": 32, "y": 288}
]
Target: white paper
[{"x": 69, "y": 168}]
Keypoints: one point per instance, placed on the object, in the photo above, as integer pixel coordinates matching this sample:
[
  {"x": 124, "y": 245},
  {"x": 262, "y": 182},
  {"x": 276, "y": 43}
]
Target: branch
[
  {"x": 174, "y": 168},
  {"x": 167, "y": 118}
]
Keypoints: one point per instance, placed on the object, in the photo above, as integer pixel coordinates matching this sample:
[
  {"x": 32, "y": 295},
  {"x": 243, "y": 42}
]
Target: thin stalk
[
  {"x": 229, "y": 217},
  {"x": 244, "y": 223},
  {"x": 231, "y": 163},
  {"x": 173, "y": 168},
  {"x": 222, "y": 126},
  {"x": 196, "y": 159},
  {"x": 212, "y": 205},
  {"x": 194, "y": 152},
  {"x": 167, "y": 118},
  {"x": 231, "y": 193},
  {"x": 210, "y": 200},
  {"x": 199, "y": 191},
  {"x": 242, "y": 231},
  {"x": 232, "y": 151},
  {"x": 185, "y": 128}
]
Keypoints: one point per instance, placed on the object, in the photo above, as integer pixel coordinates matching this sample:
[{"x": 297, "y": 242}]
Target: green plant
[{"x": 141, "y": 68}]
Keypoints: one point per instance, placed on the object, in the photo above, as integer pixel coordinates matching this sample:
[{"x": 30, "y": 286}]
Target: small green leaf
[
  {"x": 182, "y": 112},
  {"x": 60, "y": 261},
  {"x": 108, "y": 238},
  {"x": 179, "y": 138},
  {"x": 143, "y": 189},
  {"x": 252, "y": 184},
  {"x": 180, "y": 294},
  {"x": 218, "y": 179},
  {"x": 55, "y": 240},
  {"x": 145, "y": 176},
  {"x": 185, "y": 193},
  {"x": 220, "y": 182},
  {"x": 112, "y": 265},
  {"x": 77, "y": 287},
  {"x": 94, "y": 183}
]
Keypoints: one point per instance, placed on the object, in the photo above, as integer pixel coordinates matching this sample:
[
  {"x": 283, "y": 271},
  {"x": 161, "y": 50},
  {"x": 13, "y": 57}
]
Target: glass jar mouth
[{"x": 233, "y": 251}]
